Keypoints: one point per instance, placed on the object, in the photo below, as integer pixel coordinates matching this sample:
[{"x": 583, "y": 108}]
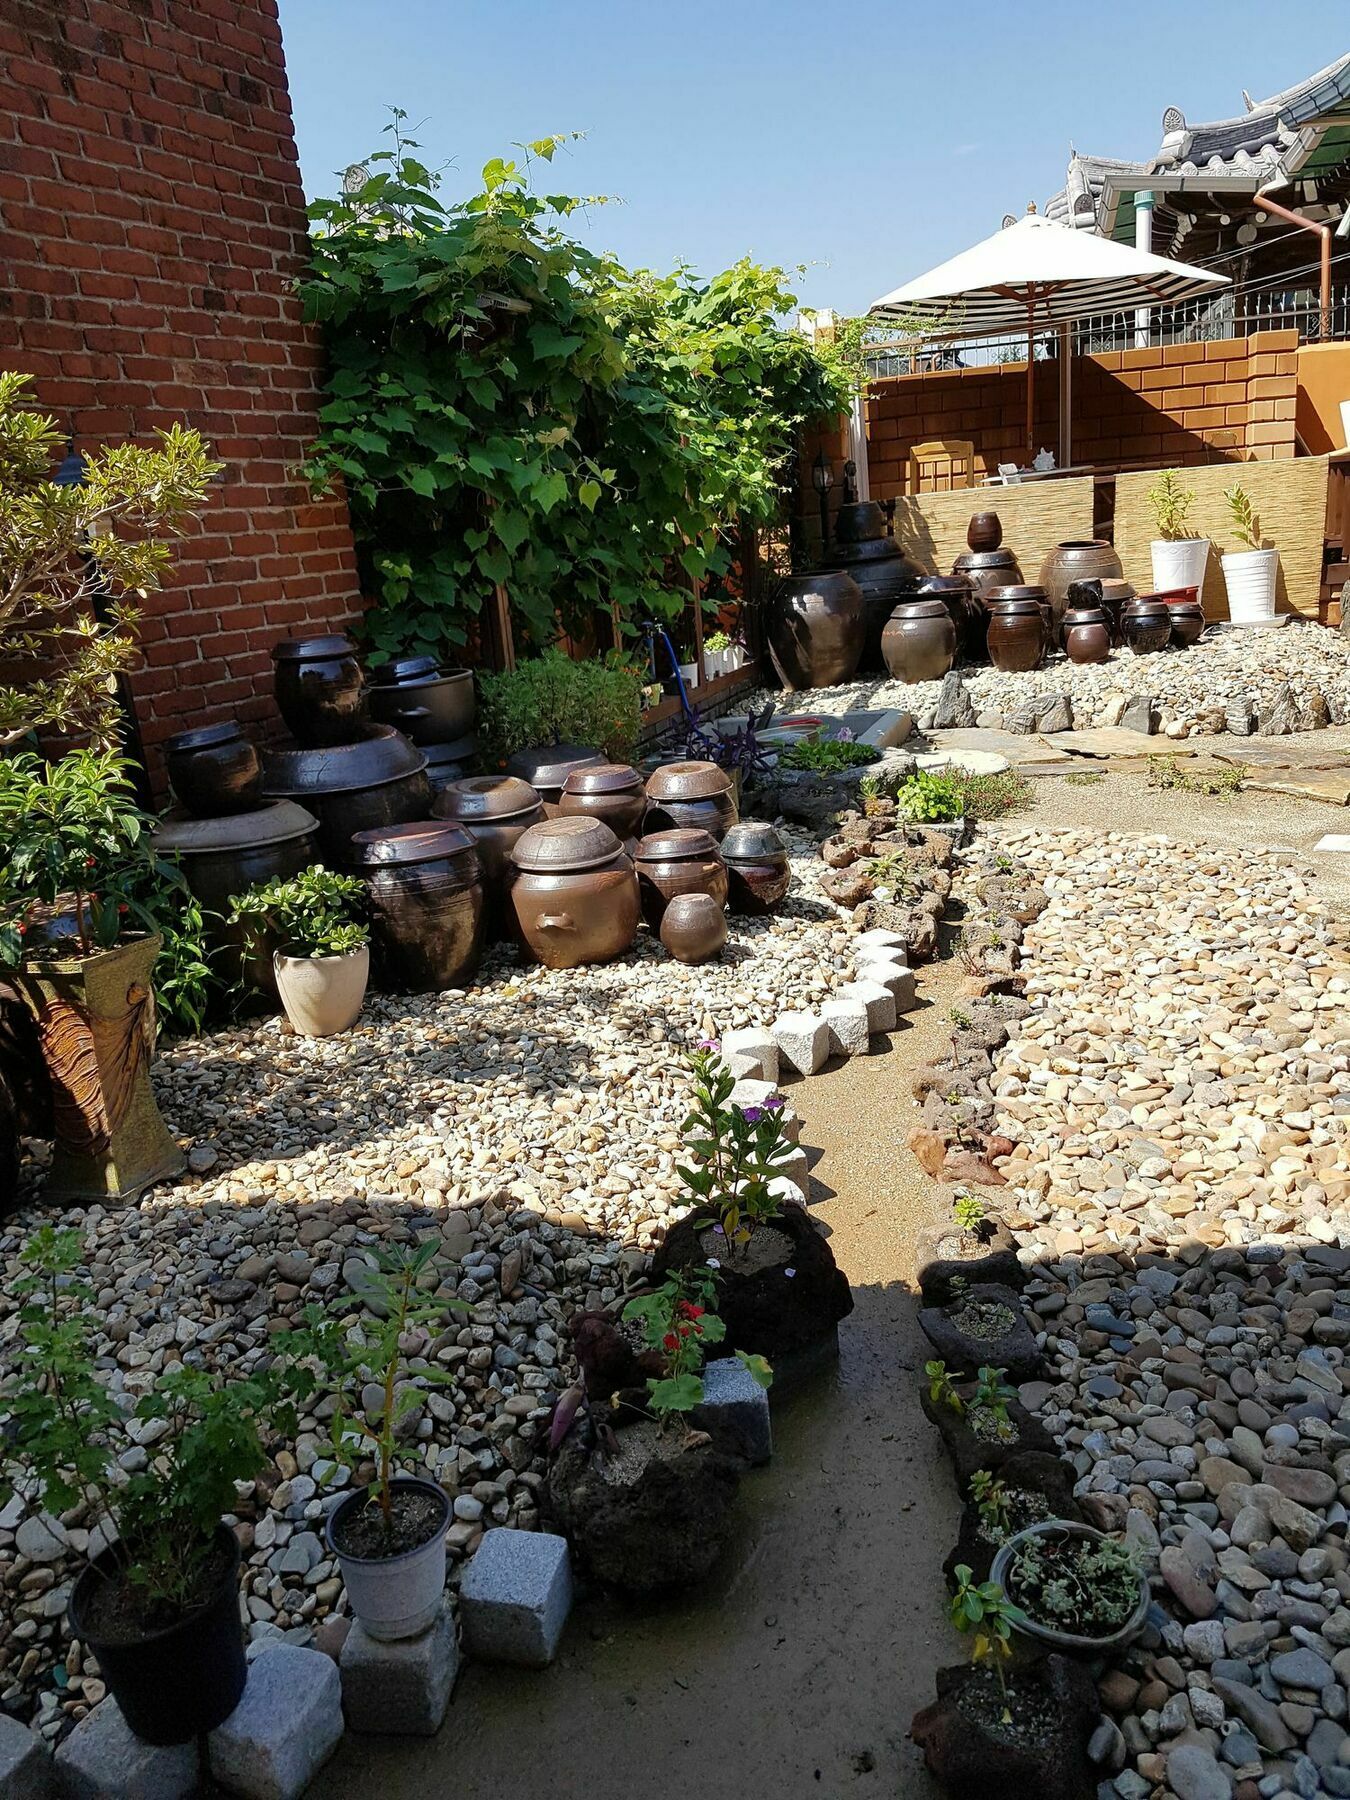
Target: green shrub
[
  {"x": 828, "y": 755},
  {"x": 930, "y": 799},
  {"x": 315, "y": 913},
  {"x": 553, "y": 700}
]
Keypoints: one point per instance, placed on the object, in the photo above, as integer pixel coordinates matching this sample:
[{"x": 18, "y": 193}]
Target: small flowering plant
[
  {"x": 680, "y": 1320},
  {"x": 734, "y": 1150}
]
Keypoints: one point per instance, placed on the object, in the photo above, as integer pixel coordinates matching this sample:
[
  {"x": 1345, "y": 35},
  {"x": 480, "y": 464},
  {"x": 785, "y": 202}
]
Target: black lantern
[{"x": 822, "y": 479}]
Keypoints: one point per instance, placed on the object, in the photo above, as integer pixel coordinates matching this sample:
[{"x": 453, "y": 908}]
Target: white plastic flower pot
[
  {"x": 322, "y": 995},
  {"x": 689, "y": 674},
  {"x": 1179, "y": 562},
  {"x": 394, "y": 1596},
  {"x": 1250, "y": 576}
]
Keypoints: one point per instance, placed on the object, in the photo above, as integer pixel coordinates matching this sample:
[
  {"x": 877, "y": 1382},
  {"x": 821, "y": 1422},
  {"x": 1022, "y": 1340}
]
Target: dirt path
[{"x": 796, "y": 1672}]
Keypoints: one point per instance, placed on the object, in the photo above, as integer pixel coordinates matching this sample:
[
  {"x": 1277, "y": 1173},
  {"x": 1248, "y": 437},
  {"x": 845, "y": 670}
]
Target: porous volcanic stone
[
  {"x": 971, "y": 1763},
  {"x": 1013, "y": 1351}
]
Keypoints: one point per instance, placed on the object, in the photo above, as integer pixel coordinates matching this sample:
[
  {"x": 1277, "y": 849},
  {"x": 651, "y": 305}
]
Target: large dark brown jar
[
  {"x": 1084, "y": 559},
  {"x": 758, "y": 871},
  {"x": 425, "y": 891},
  {"x": 690, "y": 793},
  {"x": 431, "y": 707},
  {"x": 1087, "y": 634},
  {"x": 879, "y": 566},
  {"x": 547, "y": 766},
  {"x": 609, "y": 791},
  {"x": 919, "y": 642},
  {"x": 380, "y": 779},
  {"x": 320, "y": 690},
  {"x": 678, "y": 862},
  {"x": 496, "y": 811},
  {"x": 575, "y": 894},
  {"x": 213, "y": 771},
  {"x": 966, "y": 612},
  {"x": 693, "y": 928},
  {"x": 816, "y": 629},
  {"x": 1016, "y": 634},
  {"x": 1146, "y": 624}
]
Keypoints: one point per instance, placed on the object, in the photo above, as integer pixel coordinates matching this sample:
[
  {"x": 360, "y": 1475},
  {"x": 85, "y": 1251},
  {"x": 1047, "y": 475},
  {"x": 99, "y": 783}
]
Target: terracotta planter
[
  {"x": 574, "y": 893},
  {"x": 496, "y": 811},
  {"x": 320, "y": 689},
  {"x": 1146, "y": 625},
  {"x": 758, "y": 871},
  {"x": 1016, "y": 635},
  {"x": 693, "y": 928},
  {"x": 379, "y": 779},
  {"x": 1078, "y": 560},
  {"x": 547, "y": 766},
  {"x": 213, "y": 771},
  {"x": 96, "y": 1025},
  {"x": 682, "y": 861},
  {"x": 691, "y": 795},
  {"x": 425, "y": 890},
  {"x": 1087, "y": 635},
  {"x": 611, "y": 792},
  {"x": 433, "y": 709},
  {"x": 816, "y": 630},
  {"x": 322, "y": 995},
  {"x": 985, "y": 531},
  {"x": 919, "y": 642}
]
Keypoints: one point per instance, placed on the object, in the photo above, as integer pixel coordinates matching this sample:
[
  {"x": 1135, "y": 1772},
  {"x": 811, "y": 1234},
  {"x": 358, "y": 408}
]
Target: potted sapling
[
  {"x": 1077, "y": 1589},
  {"x": 1251, "y": 572},
  {"x": 321, "y": 957},
  {"x": 146, "y": 1479},
  {"x": 981, "y": 1422},
  {"x": 1179, "y": 559},
  {"x": 388, "y": 1535}
]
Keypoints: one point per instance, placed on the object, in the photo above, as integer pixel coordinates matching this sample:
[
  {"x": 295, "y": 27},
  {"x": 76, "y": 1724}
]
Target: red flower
[
  {"x": 89, "y": 861},
  {"x": 124, "y": 908},
  {"x": 689, "y": 1311},
  {"x": 670, "y": 1341}
]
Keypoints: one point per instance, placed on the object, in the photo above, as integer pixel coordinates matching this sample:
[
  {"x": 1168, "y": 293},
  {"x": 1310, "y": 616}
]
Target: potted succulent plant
[
  {"x": 1252, "y": 572},
  {"x": 79, "y": 939},
  {"x": 1179, "y": 560},
  {"x": 158, "y": 1600},
  {"x": 1076, "y": 1589},
  {"x": 973, "y": 1245},
  {"x": 321, "y": 946},
  {"x": 388, "y": 1535}
]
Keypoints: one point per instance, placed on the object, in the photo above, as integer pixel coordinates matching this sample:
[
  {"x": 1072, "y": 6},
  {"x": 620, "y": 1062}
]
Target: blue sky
[{"x": 868, "y": 141}]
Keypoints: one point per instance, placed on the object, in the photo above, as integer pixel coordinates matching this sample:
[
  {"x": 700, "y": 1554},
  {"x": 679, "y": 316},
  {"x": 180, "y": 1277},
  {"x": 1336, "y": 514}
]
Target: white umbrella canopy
[{"x": 1035, "y": 274}]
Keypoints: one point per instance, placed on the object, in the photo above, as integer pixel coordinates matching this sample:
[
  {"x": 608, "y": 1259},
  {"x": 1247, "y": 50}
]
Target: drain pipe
[
  {"x": 1143, "y": 240},
  {"x": 1323, "y": 232}
]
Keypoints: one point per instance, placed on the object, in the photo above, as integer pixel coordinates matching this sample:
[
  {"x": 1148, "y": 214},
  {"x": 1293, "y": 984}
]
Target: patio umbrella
[{"x": 1036, "y": 273}]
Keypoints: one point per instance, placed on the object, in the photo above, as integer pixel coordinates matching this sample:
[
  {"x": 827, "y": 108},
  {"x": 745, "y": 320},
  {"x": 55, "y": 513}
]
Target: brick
[{"x": 515, "y": 1597}]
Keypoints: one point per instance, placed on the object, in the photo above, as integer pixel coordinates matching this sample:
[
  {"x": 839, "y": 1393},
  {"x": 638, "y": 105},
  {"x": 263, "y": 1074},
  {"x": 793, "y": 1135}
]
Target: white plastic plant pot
[
  {"x": 394, "y": 1597},
  {"x": 689, "y": 674},
  {"x": 1250, "y": 576},
  {"x": 1179, "y": 562},
  {"x": 322, "y": 995}
]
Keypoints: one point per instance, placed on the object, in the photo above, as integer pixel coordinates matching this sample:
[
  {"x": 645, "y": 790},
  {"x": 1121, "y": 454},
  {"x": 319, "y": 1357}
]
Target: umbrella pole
[{"x": 1031, "y": 375}]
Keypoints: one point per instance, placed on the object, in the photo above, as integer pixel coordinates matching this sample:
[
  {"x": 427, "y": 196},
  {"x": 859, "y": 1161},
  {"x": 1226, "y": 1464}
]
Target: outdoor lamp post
[{"x": 822, "y": 479}]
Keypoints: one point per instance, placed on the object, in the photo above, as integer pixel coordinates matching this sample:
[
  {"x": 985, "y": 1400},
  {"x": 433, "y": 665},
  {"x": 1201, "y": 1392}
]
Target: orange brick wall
[{"x": 1185, "y": 403}]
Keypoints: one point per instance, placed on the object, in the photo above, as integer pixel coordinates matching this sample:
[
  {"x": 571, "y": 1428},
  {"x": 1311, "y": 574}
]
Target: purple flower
[
  {"x": 719, "y": 1230},
  {"x": 752, "y": 1114},
  {"x": 775, "y": 1103},
  {"x": 843, "y": 735},
  {"x": 709, "y": 1044},
  {"x": 789, "y": 1273}
]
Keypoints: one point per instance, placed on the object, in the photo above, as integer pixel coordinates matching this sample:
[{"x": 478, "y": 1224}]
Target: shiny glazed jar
[
  {"x": 987, "y": 569},
  {"x": 1188, "y": 622},
  {"x": 1016, "y": 635},
  {"x": 431, "y": 709},
  {"x": 214, "y": 771},
  {"x": 919, "y": 642},
  {"x": 574, "y": 893},
  {"x": 985, "y": 531},
  {"x": 425, "y": 891},
  {"x": 609, "y": 791},
  {"x": 957, "y": 594},
  {"x": 1146, "y": 625},
  {"x": 678, "y": 862},
  {"x": 496, "y": 811},
  {"x": 1087, "y": 634},
  {"x": 1080, "y": 559},
  {"x": 547, "y": 766},
  {"x": 320, "y": 690},
  {"x": 693, "y": 928},
  {"x": 758, "y": 871},
  {"x": 695, "y": 794},
  {"x": 816, "y": 629}
]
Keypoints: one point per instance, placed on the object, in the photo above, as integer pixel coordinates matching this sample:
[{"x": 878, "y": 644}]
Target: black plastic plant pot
[{"x": 183, "y": 1679}]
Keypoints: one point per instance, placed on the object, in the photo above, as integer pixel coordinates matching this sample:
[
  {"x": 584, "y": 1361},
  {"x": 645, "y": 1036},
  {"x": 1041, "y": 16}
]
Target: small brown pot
[
  {"x": 425, "y": 890},
  {"x": 1087, "y": 635},
  {"x": 1016, "y": 634},
  {"x": 693, "y": 928},
  {"x": 574, "y": 893},
  {"x": 320, "y": 690},
  {"x": 1115, "y": 597},
  {"x": 694, "y": 795},
  {"x": 919, "y": 642},
  {"x": 758, "y": 871},
  {"x": 213, "y": 772},
  {"x": 1146, "y": 625},
  {"x": 985, "y": 531},
  {"x": 1082, "y": 559},
  {"x": 1188, "y": 622},
  {"x": 609, "y": 791},
  {"x": 496, "y": 811},
  {"x": 682, "y": 861}
]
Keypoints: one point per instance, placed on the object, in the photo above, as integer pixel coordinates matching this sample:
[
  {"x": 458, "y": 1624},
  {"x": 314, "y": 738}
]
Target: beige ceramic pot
[{"x": 322, "y": 994}]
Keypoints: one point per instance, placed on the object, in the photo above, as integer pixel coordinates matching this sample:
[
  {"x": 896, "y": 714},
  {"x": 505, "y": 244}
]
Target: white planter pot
[
  {"x": 322, "y": 994},
  {"x": 1250, "y": 576},
  {"x": 394, "y": 1596},
  {"x": 1345, "y": 422},
  {"x": 1179, "y": 562},
  {"x": 689, "y": 672}
]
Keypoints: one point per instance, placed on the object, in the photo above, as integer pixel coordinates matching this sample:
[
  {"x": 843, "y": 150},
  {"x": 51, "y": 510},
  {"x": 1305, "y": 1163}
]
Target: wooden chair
[{"x": 953, "y": 452}]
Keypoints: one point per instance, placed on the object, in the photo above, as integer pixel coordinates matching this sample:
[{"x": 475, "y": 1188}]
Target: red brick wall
[{"x": 151, "y": 232}]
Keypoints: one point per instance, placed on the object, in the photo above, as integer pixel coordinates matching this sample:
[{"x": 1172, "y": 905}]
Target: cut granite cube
[
  {"x": 103, "y": 1759},
  {"x": 734, "y": 1410},
  {"x": 515, "y": 1597},
  {"x": 747, "y": 1051},
  {"x": 803, "y": 1038},
  {"x": 402, "y": 1686},
  {"x": 285, "y": 1728},
  {"x": 26, "y": 1768},
  {"x": 879, "y": 1002},
  {"x": 847, "y": 1020}
]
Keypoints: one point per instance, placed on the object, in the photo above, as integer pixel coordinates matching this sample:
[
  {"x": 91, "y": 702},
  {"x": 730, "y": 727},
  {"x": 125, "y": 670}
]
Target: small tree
[{"x": 76, "y": 559}]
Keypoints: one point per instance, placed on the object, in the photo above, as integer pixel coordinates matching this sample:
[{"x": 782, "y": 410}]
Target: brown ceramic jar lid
[
  {"x": 303, "y": 649},
  {"x": 687, "y": 781},
  {"x": 603, "y": 778},
  {"x": 421, "y": 840},
  {"x": 752, "y": 841},
  {"x": 944, "y": 584},
  {"x": 479, "y": 798},
  {"x": 677, "y": 844},
  {"x": 274, "y": 822},
  {"x": 555, "y": 846},
  {"x": 985, "y": 559},
  {"x": 928, "y": 607},
  {"x": 1085, "y": 615},
  {"x": 380, "y": 755},
  {"x": 405, "y": 668},
  {"x": 1018, "y": 591}
]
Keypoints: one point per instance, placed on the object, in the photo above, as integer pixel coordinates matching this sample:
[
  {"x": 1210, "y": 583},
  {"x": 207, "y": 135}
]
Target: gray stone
[
  {"x": 757, "y": 1051},
  {"x": 103, "y": 1759},
  {"x": 26, "y": 1771},
  {"x": 284, "y": 1729},
  {"x": 735, "y": 1410},
  {"x": 401, "y": 1687},
  {"x": 515, "y": 1597},
  {"x": 878, "y": 1002},
  {"x": 847, "y": 1022},
  {"x": 1240, "y": 717},
  {"x": 882, "y": 945},
  {"x": 41, "y": 1537},
  {"x": 1302, "y": 1668},
  {"x": 1057, "y": 715},
  {"x": 1193, "y": 1774},
  {"x": 803, "y": 1038},
  {"x": 1260, "y": 1715},
  {"x": 954, "y": 708},
  {"x": 1140, "y": 714}
]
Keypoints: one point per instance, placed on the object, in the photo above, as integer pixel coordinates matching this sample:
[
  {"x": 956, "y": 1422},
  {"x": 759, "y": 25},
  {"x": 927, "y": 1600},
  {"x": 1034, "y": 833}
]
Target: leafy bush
[
  {"x": 828, "y": 755},
  {"x": 553, "y": 700},
  {"x": 679, "y": 1320},
  {"x": 929, "y": 799},
  {"x": 734, "y": 1151},
  {"x": 993, "y": 796},
  {"x": 315, "y": 913}
]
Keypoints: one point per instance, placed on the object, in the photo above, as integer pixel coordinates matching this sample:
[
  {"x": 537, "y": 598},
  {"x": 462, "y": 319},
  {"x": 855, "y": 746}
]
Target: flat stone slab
[
  {"x": 878, "y": 1001},
  {"x": 399, "y": 1688},
  {"x": 850, "y": 1034},
  {"x": 803, "y": 1038},
  {"x": 103, "y": 1759},
  {"x": 735, "y": 1410},
  {"x": 515, "y": 1597},
  {"x": 974, "y": 762},
  {"x": 1330, "y": 789},
  {"x": 285, "y": 1728},
  {"x": 26, "y": 1768}
]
